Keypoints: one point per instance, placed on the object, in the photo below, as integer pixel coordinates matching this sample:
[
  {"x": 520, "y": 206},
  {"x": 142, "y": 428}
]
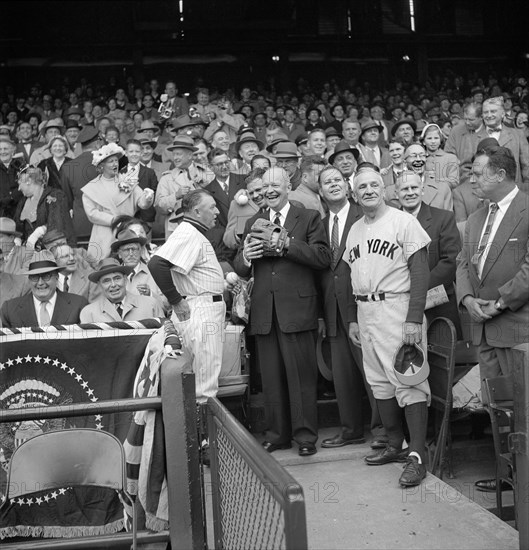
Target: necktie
[
  {"x": 66, "y": 286},
  {"x": 493, "y": 130},
  {"x": 335, "y": 241},
  {"x": 493, "y": 208},
  {"x": 225, "y": 188},
  {"x": 277, "y": 219},
  {"x": 370, "y": 156},
  {"x": 44, "y": 315},
  {"x": 119, "y": 309}
]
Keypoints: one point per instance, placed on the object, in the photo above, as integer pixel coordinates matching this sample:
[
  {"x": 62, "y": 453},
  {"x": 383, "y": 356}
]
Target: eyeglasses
[
  {"x": 44, "y": 276},
  {"x": 130, "y": 250}
]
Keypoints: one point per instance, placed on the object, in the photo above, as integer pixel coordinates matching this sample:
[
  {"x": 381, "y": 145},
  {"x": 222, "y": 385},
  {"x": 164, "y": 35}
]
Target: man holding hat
[
  {"x": 387, "y": 252},
  {"x": 115, "y": 302},
  {"x": 369, "y": 145},
  {"x": 179, "y": 181},
  {"x": 45, "y": 305},
  {"x": 9, "y": 193},
  {"x": 81, "y": 172}
]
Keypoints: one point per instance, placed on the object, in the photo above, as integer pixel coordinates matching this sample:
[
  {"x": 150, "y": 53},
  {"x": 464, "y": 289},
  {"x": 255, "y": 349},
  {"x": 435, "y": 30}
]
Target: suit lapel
[
  {"x": 110, "y": 310},
  {"x": 424, "y": 217},
  {"x": 292, "y": 218},
  {"x": 62, "y": 304},
  {"x": 512, "y": 218},
  {"x": 28, "y": 310},
  {"x": 219, "y": 194},
  {"x": 505, "y": 137}
]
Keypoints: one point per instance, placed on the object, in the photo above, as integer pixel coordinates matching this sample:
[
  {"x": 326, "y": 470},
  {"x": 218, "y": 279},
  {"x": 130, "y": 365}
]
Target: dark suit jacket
[
  {"x": 337, "y": 293},
  {"x": 442, "y": 254},
  {"x": 146, "y": 179},
  {"x": 80, "y": 172},
  {"x": 505, "y": 274},
  {"x": 465, "y": 202},
  {"x": 58, "y": 178},
  {"x": 216, "y": 234},
  {"x": 20, "y": 312},
  {"x": 288, "y": 283},
  {"x": 20, "y": 149}
]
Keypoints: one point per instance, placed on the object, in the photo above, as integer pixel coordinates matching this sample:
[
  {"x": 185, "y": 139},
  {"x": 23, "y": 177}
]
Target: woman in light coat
[{"x": 109, "y": 195}]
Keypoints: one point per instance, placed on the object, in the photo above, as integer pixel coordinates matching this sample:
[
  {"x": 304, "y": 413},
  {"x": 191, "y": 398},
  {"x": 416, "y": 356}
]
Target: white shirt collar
[
  {"x": 50, "y": 307},
  {"x": 506, "y": 202},
  {"x": 282, "y": 213}
]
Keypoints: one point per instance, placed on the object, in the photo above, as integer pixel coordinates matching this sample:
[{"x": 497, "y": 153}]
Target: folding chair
[
  {"x": 66, "y": 458},
  {"x": 442, "y": 339},
  {"x": 500, "y": 396}
]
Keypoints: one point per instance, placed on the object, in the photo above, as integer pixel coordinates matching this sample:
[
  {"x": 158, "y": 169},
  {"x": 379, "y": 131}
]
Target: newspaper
[{"x": 436, "y": 296}]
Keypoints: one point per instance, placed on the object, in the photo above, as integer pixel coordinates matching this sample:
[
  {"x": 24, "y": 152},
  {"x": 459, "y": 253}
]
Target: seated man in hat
[
  {"x": 115, "y": 302},
  {"x": 307, "y": 192},
  {"x": 332, "y": 138},
  {"x": 369, "y": 145},
  {"x": 45, "y": 304},
  {"x": 176, "y": 183},
  {"x": 54, "y": 238},
  {"x": 128, "y": 248},
  {"x": 404, "y": 129},
  {"x": 345, "y": 158},
  {"x": 287, "y": 157},
  {"x": 246, "y": 147}
]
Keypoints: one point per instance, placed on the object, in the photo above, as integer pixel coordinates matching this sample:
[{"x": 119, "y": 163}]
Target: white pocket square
[{"x": 512, "y": 240}]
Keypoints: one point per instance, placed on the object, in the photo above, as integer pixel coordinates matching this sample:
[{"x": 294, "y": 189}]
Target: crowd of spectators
[{"x": 96, "y": 175}]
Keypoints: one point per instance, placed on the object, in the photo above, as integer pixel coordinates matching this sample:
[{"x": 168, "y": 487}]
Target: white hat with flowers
[{"x": 108, "y": 150}]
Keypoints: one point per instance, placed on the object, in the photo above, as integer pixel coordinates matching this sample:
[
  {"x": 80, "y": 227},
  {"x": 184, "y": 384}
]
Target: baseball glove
[{"x": 271, "y": 235}]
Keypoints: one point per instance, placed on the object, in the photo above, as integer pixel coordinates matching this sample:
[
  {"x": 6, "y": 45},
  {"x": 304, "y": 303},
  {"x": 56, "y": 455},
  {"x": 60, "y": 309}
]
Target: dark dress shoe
[
  {"x": 387, "y": 455},
  {"x": 306, "y": 449},
  {"x": 489, "y": 485},
  {"x": 379, "y": 443},
  {"x": 271, "y": 447},
  {"x": 413, "y": 473},
  {"x": 341, "y": 441}
]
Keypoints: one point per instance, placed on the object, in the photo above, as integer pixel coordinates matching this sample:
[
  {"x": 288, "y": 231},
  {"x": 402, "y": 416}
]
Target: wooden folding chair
[
  {"x": 442, "y": 339},
  {"x": 500, "y": 396}
]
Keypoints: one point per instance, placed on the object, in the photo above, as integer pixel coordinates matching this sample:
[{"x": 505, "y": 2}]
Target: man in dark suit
[
  {"x": 284, "y": 315},
  {"x": 444, "y": 247},
  {"x": 146, "y": 177},
  {"x": 493, "y": 272},
  {"x": 338, "y": 301},
  {"x": 26, "y": 145},
  {"x": 80, "y": 171},
  {"x": 223, "y": 189},
  {"x": 45, "y": 305}
]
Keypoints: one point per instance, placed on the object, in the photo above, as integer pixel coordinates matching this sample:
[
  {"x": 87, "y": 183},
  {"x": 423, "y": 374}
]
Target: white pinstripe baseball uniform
[
  {"x": 378, "y": 255},
  {"x": 197, "y": 275}
]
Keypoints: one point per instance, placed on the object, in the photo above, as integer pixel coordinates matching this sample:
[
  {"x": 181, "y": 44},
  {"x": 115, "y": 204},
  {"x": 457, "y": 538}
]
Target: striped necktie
[
  {"x": 335, "y": 241},
  {"x": 476, "y": 259}
]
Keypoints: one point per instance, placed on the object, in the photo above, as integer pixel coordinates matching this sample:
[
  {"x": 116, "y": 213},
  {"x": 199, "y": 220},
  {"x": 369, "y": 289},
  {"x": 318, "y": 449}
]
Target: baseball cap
[{"x": 410, "y": 365}]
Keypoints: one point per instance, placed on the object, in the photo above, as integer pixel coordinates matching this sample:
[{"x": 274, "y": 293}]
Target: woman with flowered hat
[{"x": 109, "y": 195}]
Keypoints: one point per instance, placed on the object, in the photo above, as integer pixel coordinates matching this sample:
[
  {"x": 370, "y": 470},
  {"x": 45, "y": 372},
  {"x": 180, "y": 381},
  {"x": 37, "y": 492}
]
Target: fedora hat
[
  {"x": 53, "y": 123},
  {"x": 72, "y": 123},
  {"x": 313, "y": 108},
  {"x": 51, "y": 236},
  {"x": 341, "y": 148},
  {"x": 286, "y": 150},
  {"x": 73, "y": 111},
  {"x": 127, "y": 236},
  {"x": 280, "y": 137},
  {"x": 148, "y": 125},
  {"x": 109, "y": 265},
  {"x": 182, "y": 142},
  {"x": 42, "y": 262},
  {"x": 185, "y": 121},
  {"x": 332, "y": 131},
  {"x": 301, "y": 139},
  {"x": 87, "y": 134},
  {"x": 8, "y": 227},
  {"x": 150, "y": 142},
  {"x": 248, "y": 138},
  {"x": 368, "y": 125},
  {"x": 398, "y": 124}
]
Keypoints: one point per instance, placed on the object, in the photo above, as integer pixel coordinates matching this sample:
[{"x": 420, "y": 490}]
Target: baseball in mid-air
[
  {"x": 242, "y": 199},
  {"x": 232, "y": 277}
]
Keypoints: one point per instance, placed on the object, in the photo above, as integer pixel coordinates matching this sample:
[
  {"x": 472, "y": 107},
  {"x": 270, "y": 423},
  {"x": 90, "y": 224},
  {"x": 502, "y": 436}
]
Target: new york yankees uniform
[
  {"x": 197, "y": 276},
  {"x": 378, "y": 255}
]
